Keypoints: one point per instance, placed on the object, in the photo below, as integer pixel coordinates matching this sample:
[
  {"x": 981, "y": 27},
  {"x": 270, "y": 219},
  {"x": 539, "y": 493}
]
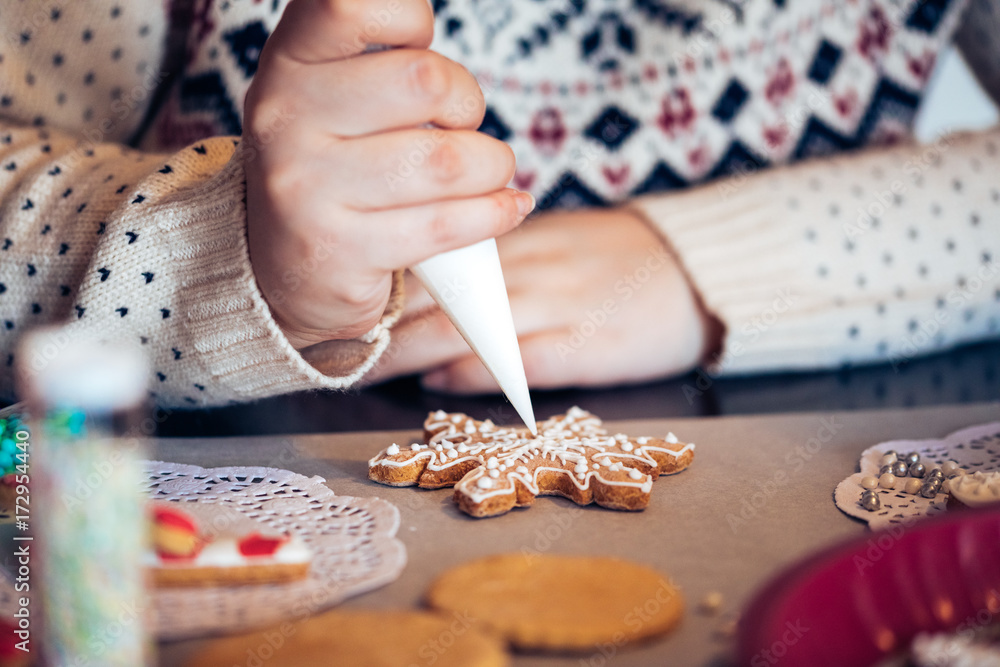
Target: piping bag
[{"x": 468, "y": 285}]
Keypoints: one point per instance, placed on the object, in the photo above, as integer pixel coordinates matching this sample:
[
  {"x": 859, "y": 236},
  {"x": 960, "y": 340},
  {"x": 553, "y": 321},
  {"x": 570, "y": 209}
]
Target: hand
[
  {"x": 597, "y": 300},
  {"x": 344, "y": 181}
]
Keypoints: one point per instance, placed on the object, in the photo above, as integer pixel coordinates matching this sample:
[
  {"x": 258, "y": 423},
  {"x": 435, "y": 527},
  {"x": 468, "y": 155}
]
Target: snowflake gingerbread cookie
[{"x": 495, "y": 469}]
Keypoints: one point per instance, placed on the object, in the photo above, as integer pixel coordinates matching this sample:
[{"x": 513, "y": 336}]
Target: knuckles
[{"x": 428, "y": 77}]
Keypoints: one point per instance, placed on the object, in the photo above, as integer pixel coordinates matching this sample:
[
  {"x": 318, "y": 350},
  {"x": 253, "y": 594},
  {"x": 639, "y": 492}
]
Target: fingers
[
  {"x": 411, "y": 167},
  {"x": 314, "y": 31},
  {"x": 389, "y": 90}
]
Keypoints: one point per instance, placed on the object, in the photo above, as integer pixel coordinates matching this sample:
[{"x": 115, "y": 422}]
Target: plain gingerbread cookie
[
  {"x": 368, "y": 638},
  {"x": 558, "y": 603}
]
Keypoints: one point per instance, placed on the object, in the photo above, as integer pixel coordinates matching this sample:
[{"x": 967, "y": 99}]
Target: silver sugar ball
[
  {"x": 911, "y": 457},
  {"x": 885, "y": 469},
  {"x": 936, "y": 474},
  {"x": 870, "y": 500},
  {"x": 899, "y": 468},
  {"x": 929, "y": 489},
  {"x": 917, "y": 470}
]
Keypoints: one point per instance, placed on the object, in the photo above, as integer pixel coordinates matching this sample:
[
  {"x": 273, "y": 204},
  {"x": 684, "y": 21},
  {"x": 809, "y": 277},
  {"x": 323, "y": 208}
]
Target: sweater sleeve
[
  {"x": 137, "y": 248},
  {"x": 876, "y": 256}
]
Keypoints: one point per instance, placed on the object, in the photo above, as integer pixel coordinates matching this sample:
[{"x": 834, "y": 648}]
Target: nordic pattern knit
[{"x": 880, "y": 254}]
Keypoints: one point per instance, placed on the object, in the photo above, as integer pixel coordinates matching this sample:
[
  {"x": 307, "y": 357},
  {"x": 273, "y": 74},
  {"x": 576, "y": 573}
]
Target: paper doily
[
  {"x": 352, "y": 540},
  {"x": 974, "y": 448}
]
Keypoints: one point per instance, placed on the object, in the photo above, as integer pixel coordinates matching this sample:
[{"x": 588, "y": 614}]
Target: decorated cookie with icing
[
  {"x": 495, "y": 469},
  {"x": 204, "y": 544}
]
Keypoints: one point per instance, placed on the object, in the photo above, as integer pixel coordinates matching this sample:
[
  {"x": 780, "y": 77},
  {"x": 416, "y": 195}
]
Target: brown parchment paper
[{"x": 758, "y": 497}]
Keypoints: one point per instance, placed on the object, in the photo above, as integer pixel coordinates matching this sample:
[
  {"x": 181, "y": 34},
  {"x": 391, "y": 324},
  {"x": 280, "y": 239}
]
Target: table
[{"x": 723, "y": 525}]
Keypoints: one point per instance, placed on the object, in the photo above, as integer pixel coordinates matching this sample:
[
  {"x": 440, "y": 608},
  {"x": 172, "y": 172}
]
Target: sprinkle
[
  {"x": 415, "y": 448},
  {"x": 641, "y": 441},
  {"x": 869, "y": 482},
  {"x": 605, "y": 461},
  {"x": 462, "y": 447},
  {"x": 494, "y": 474},
  {"x": 452, "y": 454},
  {"x": 634, "y": 474},
  {"x": 470, "y": 427},
  {"x": 484, "y": 483},
  {"x": 581, "y": 467},
  {"x": 456, "y": 418},
  {"x": 711, "y": 603},
  {"x": 597, "y": 466},
  {"x": 439, "y": 448},
  {"x": 627, "y": 446},
  {"x": 503, "y": 466},
  {"x": 610, "y": 442},
  {"x": 492, "y": 463},
  {"x": 615, "y": 467},
  {"x": 392, "y": 450},
  {"x": 671, "y": 438}
]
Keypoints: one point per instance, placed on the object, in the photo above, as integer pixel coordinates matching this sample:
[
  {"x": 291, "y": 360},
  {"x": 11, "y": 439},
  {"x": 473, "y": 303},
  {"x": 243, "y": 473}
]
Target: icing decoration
[
  {"x": 962, "y": 454},
  {"x": 259, "y": 545},
  {"x": 976, "y": 490},
  {"x": 557, "y": 461}
]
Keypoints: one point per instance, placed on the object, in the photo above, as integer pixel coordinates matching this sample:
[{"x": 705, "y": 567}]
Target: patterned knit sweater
[{"x": 122, "y": 210}]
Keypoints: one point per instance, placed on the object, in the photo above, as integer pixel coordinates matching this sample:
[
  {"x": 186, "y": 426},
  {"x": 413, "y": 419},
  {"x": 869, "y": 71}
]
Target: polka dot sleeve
[
  {"x": 142, "y": 248},
  {"x": 878, "y": 256}
]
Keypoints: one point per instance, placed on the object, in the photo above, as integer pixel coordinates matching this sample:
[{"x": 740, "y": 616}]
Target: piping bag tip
[{"x": 468, "y": 285}]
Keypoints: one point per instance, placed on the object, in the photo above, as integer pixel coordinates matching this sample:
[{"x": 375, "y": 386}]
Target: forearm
[{"x": 148, "y": 250}]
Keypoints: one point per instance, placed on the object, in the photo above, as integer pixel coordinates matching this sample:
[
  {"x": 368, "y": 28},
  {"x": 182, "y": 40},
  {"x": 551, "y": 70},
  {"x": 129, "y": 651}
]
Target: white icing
[
  {"x": 627, "y": 446},
  {"x": 495, "y": 474},
  {"x": 634, "y": 474},
  {"x": 452, "y": 454},
  {"x": 671, "y": 438},
  {"x": 392, "y": 449},
  {"x": 641, "y": 441},
  {"x": 492, "y": 463},
  {"x": 415, "y": 448},
  {"x": 484, "y": 483},
  {"x": 978, "y": 489}
]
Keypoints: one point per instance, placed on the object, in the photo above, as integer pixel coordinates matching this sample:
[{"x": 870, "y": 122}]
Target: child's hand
[{"x": 343, "y": 183}]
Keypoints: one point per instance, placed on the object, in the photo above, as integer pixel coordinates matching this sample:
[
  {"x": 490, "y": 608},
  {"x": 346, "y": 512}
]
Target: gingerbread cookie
[
  {"x": 561, "y": 602},
  {"x": 371, "y": 638},
  {"x": 494, "y": 469}
]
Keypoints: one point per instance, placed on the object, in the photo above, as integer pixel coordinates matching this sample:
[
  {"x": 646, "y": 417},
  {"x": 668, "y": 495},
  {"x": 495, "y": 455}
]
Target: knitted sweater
[{"x": 122, "y": 209}]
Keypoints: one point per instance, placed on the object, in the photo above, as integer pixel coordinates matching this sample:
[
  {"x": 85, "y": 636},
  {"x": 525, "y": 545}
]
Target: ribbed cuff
[
  {"x": 242, "y": 350},
  {"x": 746, "y": 261}
]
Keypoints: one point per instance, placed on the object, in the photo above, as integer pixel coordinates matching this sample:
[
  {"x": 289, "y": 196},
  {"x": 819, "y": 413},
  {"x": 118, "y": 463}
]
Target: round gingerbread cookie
[
  {"x": 364, "y": 639},
  {"x": 561, "y": 602}
]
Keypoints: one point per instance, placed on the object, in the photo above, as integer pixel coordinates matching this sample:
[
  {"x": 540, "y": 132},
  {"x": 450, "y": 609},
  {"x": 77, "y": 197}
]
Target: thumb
[{"x": 316, "y": 31}]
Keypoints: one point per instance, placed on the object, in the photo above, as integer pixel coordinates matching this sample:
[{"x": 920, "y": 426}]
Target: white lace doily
[
  {"x": 974, "y": 448},
  {"x": 352, "y": 540}
]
